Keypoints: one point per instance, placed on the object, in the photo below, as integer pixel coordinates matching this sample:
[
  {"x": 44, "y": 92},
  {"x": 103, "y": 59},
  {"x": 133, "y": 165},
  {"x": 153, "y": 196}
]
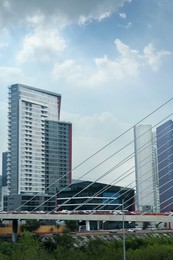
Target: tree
[
  {"x": 28, "y": 248},
  {"x": 72, "y": 225},
  {"x": 31, "y": 225},
  {"x": 49, "y": 245},
  {"x": 64, "y": 240},
  {"x": 6, "y": 248}
]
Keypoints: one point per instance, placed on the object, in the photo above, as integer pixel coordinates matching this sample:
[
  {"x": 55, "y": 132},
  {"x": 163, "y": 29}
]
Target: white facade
[
  {"x": 29, "y": 110},
  {"x": 147, "y": 196}
]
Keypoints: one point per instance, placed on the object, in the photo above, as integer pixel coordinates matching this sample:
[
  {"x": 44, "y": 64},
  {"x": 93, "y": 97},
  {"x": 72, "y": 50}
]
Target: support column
[
  {"x": 14, "y": 230},
  {"x": 87, "y": 225},
  {"x": 98, "y": 225}
]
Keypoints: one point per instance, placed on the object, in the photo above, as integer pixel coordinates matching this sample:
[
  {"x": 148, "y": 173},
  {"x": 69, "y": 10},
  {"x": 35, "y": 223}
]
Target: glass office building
[
  {"x": 87, "y": 195},
  {"x": 165, "y": 165},
  {"x": 39, "y": 143}
]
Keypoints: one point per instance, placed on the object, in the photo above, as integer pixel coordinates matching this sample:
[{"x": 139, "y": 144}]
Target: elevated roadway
[{"x": 87, "y": 217}]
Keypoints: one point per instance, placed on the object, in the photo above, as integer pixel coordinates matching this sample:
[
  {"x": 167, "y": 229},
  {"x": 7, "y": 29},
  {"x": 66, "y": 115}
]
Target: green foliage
[
  {"x": 31, "y": 225},
  {"x": 49, "y": 245},
  {"x": 66, "y": 230},
  {"x": 158, "y": 240},
  {"x": 3, "y": 257},
  {"x": 116, "y": 243},
  {"x": 70, "y": 254},
  {"x": 96, "y": 247},
  {"x": 72, "y": 225},
  {"x": 28, "y": 248},
  {"x": 135, "y": 243},
  {"x": 6, "y": 248},
  {"x": 65, "y": 241},
  {"x": 155, "y": 252},
  {"x": 62, "y": 247}
]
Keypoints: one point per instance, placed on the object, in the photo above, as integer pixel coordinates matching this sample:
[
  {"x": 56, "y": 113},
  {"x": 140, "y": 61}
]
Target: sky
[{"x": 111, "y": 60}]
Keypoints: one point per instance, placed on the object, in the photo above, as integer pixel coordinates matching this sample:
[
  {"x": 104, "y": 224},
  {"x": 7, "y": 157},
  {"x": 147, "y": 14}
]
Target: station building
[{"x": 87, "y": 195}]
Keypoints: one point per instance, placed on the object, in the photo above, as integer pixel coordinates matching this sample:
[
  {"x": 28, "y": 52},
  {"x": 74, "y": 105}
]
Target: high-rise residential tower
[
  {"x": 147, "y": 193},
  {"x": 165, "y": 165},
  {"x": 4, "y": 168},
  {"x": 40, "y": 145}
]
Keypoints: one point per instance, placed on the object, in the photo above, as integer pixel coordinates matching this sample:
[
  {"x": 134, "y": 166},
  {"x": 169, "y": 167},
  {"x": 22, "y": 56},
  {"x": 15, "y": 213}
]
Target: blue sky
[{"x": 110, "y": 59}]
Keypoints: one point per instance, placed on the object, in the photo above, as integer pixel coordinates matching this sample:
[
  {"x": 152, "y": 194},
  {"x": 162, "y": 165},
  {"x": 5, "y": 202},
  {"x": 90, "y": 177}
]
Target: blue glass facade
[{"x": 165, "y": 165}]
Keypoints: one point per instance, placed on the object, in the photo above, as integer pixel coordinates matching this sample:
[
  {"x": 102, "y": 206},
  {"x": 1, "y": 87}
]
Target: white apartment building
[
  {"x": 39, "y": 144},
  {"x": 147, "y": 193}
]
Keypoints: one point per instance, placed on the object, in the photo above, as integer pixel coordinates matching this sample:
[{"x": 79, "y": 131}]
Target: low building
[
  {"x": 87, "y": 195},
  {"x": 24, "y": 202}
]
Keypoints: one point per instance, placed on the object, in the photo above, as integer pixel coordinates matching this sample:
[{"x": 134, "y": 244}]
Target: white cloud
[
  {"x": 68, "y": 70},
  {"x": 3, "y": 45},
  {"x": 149, "y": 57},
  {"x": 104, "y": 70},
  {"x": 42, "y": 44},
  {"x": 83, "y": 20},
  {"x": 9, "y": 75},
  {"x": 126, "y": 26},
  {"x": 86, "y": 131},
  {"x": 128, "y": 63},
  {"x": 124, "y": 50},
  {"x": 93, "y": 132},
  {"x": 122, "y": 15},
  {"x": 104, "y": 15},
  {"x": 15, "y": 12},
  {"x": 154, "y": 58},
  {"x": 62, "y": 69}
]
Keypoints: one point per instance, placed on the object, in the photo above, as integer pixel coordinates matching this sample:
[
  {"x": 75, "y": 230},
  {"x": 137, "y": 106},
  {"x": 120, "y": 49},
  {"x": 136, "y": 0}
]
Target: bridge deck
[{"x": 94, "y": 217}]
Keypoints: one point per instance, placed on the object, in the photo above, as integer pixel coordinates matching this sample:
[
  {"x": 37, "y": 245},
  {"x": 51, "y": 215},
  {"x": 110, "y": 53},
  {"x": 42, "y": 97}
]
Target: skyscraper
[
  {"x": 4, "y": 168},
  {"x": 147, "y": 194},
  {"x": 40, "y": 145},
  {"x": 165, "y": 165}
]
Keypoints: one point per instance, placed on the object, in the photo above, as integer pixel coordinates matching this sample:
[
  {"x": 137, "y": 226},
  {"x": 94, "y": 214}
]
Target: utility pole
[{"x": 124, "y": 239}]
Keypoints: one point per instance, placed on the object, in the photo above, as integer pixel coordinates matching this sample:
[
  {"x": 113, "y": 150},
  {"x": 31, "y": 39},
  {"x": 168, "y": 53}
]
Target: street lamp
[{"x": 124, "y": 239}]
